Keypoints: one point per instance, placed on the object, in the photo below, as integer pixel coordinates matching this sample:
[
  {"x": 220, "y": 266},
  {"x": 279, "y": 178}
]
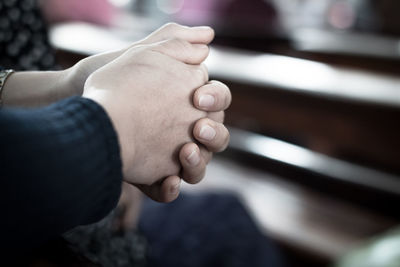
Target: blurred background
[{"x": 315, "y": 120}]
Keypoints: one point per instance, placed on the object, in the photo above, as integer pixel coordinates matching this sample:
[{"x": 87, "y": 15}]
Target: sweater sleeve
[{"x": 60, "y": 167}]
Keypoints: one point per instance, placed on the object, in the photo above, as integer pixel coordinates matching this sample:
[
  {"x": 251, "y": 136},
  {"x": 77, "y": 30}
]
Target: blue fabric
[
  {"x": 60, "y": 168},
  {"x": 205, "y": 230}
]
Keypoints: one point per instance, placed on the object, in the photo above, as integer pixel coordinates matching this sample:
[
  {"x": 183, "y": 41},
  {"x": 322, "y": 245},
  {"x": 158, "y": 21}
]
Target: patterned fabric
[
  {"x": 23, "y": 37},
  {"x": 212, "y": 230},
  {"x": 103, "y": 245}
]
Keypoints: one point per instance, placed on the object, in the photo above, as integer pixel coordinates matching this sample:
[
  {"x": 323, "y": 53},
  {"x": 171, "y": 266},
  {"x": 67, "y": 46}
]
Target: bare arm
[
  {"x": 38, "y": 88},
  {"x": 33, "y": 88}
]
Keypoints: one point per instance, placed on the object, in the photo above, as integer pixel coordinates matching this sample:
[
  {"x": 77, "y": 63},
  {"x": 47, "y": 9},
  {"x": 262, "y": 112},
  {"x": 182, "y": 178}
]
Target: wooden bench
[{"x": 316, "y": 205}]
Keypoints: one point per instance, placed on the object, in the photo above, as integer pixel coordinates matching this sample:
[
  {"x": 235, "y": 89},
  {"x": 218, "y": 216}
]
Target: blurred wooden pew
[
  {"x": 311, "y": 227},
  {"x": 343, "y": 112},
  {"x": 317, "y": 205}
]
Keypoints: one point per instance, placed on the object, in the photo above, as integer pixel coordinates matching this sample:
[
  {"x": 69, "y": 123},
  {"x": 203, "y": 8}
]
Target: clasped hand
[{"x": 167, "y": 114}]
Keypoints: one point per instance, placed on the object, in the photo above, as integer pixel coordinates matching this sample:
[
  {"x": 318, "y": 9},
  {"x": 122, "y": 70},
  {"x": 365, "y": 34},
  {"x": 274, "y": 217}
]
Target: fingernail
[
  {"x": 175, "y": 188},
  {"x": 193, "y": 158},
  {"x": 207, "y": 133},
  {"x": 206, "y": 101}
]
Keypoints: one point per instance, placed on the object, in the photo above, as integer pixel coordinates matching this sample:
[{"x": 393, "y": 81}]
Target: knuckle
[
  {"x": 202, "y": 74},
  {"x": 170, "y": 26},
  {"x": 226, "y": 90},
  {"x": 208, "y": 157},
  {"x": 225, "y": 137},
  {"x": 222, "y": 87},
  {"x": 206, "y": 154},
  {"x": 218, "y": 116},
  {"x": 224, "y": 94},
  {"x": 180, "y": 43},
  {"x": 195, "y": 175},
  {"x": 198, "y": 75},
  {"x": 221, "y": 117},
  {"x": 181, "y": 46},
  {"x": 205, "y": 70},
  {"x": 228, "y": 99},
  {"x": 187, "y": 74}
]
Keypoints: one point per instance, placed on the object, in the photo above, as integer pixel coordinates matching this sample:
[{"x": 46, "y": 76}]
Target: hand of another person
[
  {"x": 47, "y": 87},
  {"x": 147, "y": 93},
  {"x": 195, "y": 35},
  {"x": 128, "y": 209}
]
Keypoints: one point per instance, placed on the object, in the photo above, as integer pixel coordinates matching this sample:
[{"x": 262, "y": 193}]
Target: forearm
[{"x": 38, "y": 88}]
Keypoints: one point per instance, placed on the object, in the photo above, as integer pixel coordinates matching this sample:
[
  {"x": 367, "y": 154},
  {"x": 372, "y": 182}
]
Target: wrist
[
  {"x": 60, "y": 86},
  {"x": 118, "y": 117},
  {"x": 81, "y": 71},
  {"x": 4, "y": 75},
  {"x": 75, "y": 79},
  {"x": 37, "y": 88}
]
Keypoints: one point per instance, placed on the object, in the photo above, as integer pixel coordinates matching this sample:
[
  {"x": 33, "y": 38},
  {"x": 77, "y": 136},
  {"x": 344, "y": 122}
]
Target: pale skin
[
  {"x": 141, "y": 111},
  {"x": 204, "y": 101}
]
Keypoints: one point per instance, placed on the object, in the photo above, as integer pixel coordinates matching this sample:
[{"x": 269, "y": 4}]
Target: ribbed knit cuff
[
  {"x": 60, "y": 168},
  {"x": 100, "y": 149},
  {"x": 64, "y": 159}
]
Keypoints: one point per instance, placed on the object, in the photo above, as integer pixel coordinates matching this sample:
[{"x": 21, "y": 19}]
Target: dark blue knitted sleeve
[{"x": 60, "y": 167}]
